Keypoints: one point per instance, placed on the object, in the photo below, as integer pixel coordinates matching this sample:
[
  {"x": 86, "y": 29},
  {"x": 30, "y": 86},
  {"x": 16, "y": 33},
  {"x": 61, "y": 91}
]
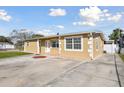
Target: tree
[
  {"x": 3, "y": 39},
  {"x": 37, "y": 35},
  {"x": 19, "y": 36},
  {"x": 115, "y": 34}
]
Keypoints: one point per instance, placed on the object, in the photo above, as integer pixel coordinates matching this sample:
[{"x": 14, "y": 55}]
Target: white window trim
[{"x": 72, "y": 42}]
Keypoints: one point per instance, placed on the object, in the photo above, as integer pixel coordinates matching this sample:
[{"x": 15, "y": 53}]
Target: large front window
[
  {"x": 69, "y": 43},
  {"x": 73, "y": 43}
]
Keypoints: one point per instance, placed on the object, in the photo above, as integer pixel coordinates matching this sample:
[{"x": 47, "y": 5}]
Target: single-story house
[
  {"x": 82, "y": 45},
  {"x": 6, "y": 46}
]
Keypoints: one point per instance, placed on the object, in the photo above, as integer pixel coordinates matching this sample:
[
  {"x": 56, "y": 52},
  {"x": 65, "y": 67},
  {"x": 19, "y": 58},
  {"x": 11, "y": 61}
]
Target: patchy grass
[
  {"x": 7, "y": 54},
  {"x": 122, "y": 57}
]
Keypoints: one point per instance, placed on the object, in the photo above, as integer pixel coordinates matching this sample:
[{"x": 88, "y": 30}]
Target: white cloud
[
  {"x": 92, "y": 15},
  {"x": 1, "y": 30},
  {"x": 45, "y": 32},
  {"x": 60, "y": 26},
  {"x": 57, "y": 12},
  {"x": 115, "y": 18},
  {"x": 84, "y": 23},
  {"x": 4, "y": 16}
]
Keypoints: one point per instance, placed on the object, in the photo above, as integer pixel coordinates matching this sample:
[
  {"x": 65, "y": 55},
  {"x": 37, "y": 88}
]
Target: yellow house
[{"x": 83, "y": 45}]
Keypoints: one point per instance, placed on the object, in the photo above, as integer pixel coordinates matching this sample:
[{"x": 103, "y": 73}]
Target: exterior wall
[
  {"x": 76, "y": 54},
  {"x": 42, "y": 47},
  {"x": 53, "y": 51},
  {"x": 64, "y": 53},
  {"x": 84, "y": 54},
  {"x": 32, "y": 47},
  {"x": 99, "y": 51}
]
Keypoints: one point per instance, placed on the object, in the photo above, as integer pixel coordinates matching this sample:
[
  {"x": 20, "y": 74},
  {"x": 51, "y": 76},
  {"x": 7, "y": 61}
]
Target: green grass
[
  {"x": 7, "y": 54},
  {"x": 122, "y": 57}
]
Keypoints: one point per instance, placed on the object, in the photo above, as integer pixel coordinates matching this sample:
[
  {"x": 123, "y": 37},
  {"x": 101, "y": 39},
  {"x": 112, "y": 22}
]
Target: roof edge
[{"x": 76, "y": 33}]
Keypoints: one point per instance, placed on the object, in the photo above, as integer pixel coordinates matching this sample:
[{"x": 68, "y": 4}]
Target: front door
[{"x": 47, "y": 46}]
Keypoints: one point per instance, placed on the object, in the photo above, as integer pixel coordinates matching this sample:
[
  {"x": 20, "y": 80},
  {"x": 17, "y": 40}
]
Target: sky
[{"x": 49, "y": 20}]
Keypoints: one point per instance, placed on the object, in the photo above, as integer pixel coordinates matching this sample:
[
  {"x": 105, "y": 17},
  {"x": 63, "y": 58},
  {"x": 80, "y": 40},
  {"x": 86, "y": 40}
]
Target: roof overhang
[{"x": 64, "y": 35}]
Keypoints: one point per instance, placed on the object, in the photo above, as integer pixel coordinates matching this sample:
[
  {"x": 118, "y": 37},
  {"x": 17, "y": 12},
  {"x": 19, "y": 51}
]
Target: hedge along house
[{"x": 83, "y": 45}]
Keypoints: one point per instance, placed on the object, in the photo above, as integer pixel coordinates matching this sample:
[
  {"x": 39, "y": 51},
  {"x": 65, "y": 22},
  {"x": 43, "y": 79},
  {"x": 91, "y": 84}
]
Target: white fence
[{"x": 110, "y": 48}]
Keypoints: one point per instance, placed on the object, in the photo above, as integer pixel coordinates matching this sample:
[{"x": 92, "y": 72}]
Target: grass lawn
[
  {"x": 6, "y": 54},
  {"x": 122, "y": 57}
]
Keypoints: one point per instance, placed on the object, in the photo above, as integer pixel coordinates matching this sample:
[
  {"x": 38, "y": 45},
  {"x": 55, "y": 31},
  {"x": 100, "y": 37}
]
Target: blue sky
[{"x": 51, "y": 20}]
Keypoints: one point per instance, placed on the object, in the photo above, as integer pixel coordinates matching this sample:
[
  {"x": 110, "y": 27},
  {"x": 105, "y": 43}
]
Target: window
[
  {"x": 69, "y": 43},
  {"x": 73, "y": 43},
  {"x": 77, "y": 43},
  {"x": 55, "y": 44}
]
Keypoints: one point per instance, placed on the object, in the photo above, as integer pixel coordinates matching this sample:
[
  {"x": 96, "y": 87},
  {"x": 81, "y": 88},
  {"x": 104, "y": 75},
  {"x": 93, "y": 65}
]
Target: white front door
[{"x": 47, "y": 46}]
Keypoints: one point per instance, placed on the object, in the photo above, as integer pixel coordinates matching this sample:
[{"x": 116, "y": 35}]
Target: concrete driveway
[
  {"x": 26, "y": 71},
  {"x": 56, "y": 71}
]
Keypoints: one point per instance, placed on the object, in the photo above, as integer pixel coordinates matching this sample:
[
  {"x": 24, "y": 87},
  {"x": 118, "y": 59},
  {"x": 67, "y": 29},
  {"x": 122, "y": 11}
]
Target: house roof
[{"x": 69, "y": 34}]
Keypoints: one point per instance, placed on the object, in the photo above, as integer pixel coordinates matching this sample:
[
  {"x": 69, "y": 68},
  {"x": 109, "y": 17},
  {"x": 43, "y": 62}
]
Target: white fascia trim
[{"x": 80, "y": 50}]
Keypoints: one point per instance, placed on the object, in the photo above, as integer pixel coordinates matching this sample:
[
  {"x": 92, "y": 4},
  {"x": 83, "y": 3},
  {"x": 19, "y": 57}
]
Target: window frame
[
  {"x": 56, "y": 43},
  {"x": 72, "y": 37}
]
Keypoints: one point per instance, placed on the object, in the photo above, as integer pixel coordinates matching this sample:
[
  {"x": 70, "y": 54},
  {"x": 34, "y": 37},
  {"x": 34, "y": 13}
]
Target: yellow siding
[
  {"x": 32, "y": 47},
  {"x": 42, "y": 47},
  {"x": 54, "y": 51},
  {"x": 64, "y": 53},
  {"x": 76, "y": 54},
  {"x": 99, "y": 51}
]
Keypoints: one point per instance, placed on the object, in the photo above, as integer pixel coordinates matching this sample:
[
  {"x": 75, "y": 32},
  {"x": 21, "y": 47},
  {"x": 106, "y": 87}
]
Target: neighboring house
[
  {"x": 83, "y": 45},
  {"x": 110, "y": 47},
  {"x": 6, "y": 46}
]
